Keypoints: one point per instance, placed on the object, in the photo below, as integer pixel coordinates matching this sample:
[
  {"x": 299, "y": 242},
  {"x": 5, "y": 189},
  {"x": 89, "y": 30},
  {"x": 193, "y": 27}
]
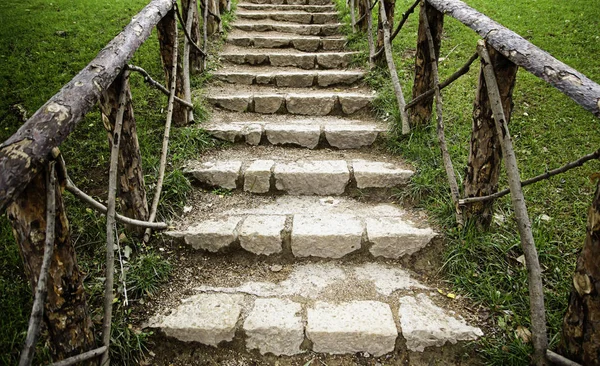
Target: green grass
[
  {"x": 43, "y": 44},
  {"x": 548, "y": 130}
]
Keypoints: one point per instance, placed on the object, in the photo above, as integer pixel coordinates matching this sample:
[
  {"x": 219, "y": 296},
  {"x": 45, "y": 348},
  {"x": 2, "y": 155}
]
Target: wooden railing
[
  {"x": 501, "y": 52},
  {"x": 30, "y": 160}
]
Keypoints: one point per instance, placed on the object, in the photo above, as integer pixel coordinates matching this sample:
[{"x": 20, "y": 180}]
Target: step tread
[
  {"x": 309, "y": 8},
  {"x": 236, "y": 33}
]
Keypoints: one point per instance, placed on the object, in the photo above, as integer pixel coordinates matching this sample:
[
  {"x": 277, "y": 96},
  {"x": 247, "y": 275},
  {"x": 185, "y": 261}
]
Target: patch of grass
[{"x": 548, "y": 130}]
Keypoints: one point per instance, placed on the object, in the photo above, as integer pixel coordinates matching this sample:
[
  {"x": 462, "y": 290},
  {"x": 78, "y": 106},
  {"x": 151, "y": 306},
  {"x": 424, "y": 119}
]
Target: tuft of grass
[
  {"x": 548, "y": 130},
  {"x": 146, "y": 273}
]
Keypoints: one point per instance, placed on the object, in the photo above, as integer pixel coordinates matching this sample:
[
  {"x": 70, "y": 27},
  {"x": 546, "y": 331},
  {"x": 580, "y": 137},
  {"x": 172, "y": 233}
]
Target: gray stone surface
[
  {"x": 267, "y": 104},
  {"x": 321, "y": 177},
  {"x": 218, "y": 173},
  {"x": 339, "y": 77},
  {"x": 271, "y": 42},
  {"x": 334, "y": 60},
  {"x": 393, "y": 237},
  {"x": 266, "y": 78},
  {"x": 310, "y": 104},
  {"x": 213, "y": 235},
  {"x": 333, "y": 44},
  {"x": 296, "y": 17},
  {"x": 274, "y": 326},
  {"x": 207, "y": 318},
  {"x": 331, "y": 236},
  {"x": 245, "y": 78},
  {"x": 295, "y": 60},
  {"x": 295, "y": 79},
  {"x": 252, "y": 133},
  {"x": 257, "y": 177},
  {"x": 302, "y": 135},
  {"x": 350, "y": 136},
  {"x": 306, "y": 44},
  {"x": 256, "y": 58},
  {"x": 237, "y": 103},
  {"x": 323, "y": 18},
  {"x": 262, "y": 234},
  {"x": 373, "y": 174},
  {"x": 424, "y": 324},
  {"x": 227, "y": 132},
  {"x": 354, "y": 102},
  {"x": 357, "y": 326}
]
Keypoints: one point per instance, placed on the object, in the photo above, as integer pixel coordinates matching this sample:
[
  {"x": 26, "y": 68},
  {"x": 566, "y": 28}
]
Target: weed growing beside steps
[
  {"x": 548, "y": 130},
  {"x": 42, "y": 46}
]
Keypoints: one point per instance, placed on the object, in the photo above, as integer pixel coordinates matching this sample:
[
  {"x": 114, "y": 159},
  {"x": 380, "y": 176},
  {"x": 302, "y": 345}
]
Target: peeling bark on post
[
  {"x": 213, "y": 22},
  {"x": 66, "y": 313},
  {"x": 485, "y": 156},
  {"x": 389, "y": 6},
  {"x": 196, "y": 59},
  {"x": 166, "y": 38},
  {"x": 363, "y": 8},
  {"x": 420, "y": 114},
  {"x": 581, "y": 326},
  {"x": 132, "y": 192}
]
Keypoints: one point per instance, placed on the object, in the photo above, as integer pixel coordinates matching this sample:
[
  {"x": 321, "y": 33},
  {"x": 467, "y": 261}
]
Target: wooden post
[
  {"x": 581, "y": 329},
  {"x": 389, "y": 6},
  {"x": 485, "y": 156},
  {"x": 213, "y": 21},
  {"x": 166, "y": 38},
  {"x": 363, "y": 8},
  {"x": 352, "y": 15},
  {"x": 420, "y": 114},
  {"x": 132, "y": 191},
  {"x": 196, "y": 58},
  {"x": 66, "y": 312}
]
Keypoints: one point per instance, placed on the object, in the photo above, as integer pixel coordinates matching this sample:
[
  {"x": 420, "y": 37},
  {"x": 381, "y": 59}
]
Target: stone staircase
[{"x": 290, "y": 245}]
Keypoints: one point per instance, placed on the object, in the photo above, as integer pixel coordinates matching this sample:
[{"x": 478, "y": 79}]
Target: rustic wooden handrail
[{"x": 23, "y": 154}]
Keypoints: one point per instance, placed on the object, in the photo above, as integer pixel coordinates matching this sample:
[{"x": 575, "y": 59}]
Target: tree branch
[
  {"x": 405, "y": 16},
  {"x": 148, "y": 79}
]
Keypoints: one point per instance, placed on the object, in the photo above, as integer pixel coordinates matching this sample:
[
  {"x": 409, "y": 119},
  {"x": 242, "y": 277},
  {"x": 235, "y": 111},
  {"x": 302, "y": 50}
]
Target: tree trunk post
[
  {"x": 389, "y": 12},
  {"x": 196, "y": 58},
  {"x": 581, "y": 328},
  {"x": 66, "y": 312},
  {"x": 132, "y": 192},
  {"x": 166, "y": 38},
  {"x": 420, "y": 114},
  {"x": 485, "y": 155},
  {"x": 212, "y": 23},
  {"x": 363, "y": 8}
]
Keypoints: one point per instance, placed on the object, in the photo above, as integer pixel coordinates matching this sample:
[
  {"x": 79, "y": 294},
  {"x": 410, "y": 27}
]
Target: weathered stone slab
[
  {"x": 352, "y": 103},
  {"x": 306, "y": 44},
  {"x": 266, "y": 78},
  {"x": 207, "y": 318},
  {"x": 350, "y": 136},
  {"x": 323, "y": 177},
  {"x": 333, "y": 44},
  {"x": 302, "y": 135},
  {"x": 323, "y": 18},
  {"x": 253, "y": 27},
  {"x": 392, "y": 237},
  {"x": 357, "y": 326},
  {"x": 295, "y": 60},
  {"x": 245, "y": 78},
  {"x": 253, "y": 134},
  {"x": 331, "y": 236},
  {"x": 374, "y": 174},
  {"x": 310, "y": 104},
  {"x": 330, "y": 29},
  {"x": 251, "y": 16},
  {"x": 334, "y": 60},
  {"x": 296, "y": 17},
  {"x": 218, "y": 173},
  {"x": 237, "y": 103},
  {"x": 213, "y": 235},
  {"x": 318, "y": 2},
  {"x": 262, "y": 234},
  {"x": 295, "y": 79},
  {"x": 257, "y": 178},
  {"x": 424, "y": 324},
  {"x": 226, "y": 132},
  {"x": 273, "y": 326},
  {"x": 267, "y": 104},
  {"x": 271, "y": 42},
  {"x": 256, "y": 59},
  {"x": 338, "y": 77}
]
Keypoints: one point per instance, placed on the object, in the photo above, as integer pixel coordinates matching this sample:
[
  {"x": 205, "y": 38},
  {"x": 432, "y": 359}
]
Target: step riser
[
  {"x": 307, "y": 136},
  {"x": 291, "y": 80},
  {"x": 323, "y": 30},
  {"x": 291, "y": 2},
  {"x": 299, "y": 17},
  {"x": 296, "y": 104},
  {"x": 301, "y": 44},
  {"x": 305, "y": 8},
  {"x": 302, "y": 61}
]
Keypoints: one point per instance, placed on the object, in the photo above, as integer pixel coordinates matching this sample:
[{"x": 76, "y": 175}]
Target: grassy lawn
[
  {"x": 43, "y": 44},
  {"x": 548, "y": 130}
]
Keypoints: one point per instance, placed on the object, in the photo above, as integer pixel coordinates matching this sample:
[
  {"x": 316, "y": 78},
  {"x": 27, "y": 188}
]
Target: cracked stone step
[
  {"x": 287, "y": 58},
  {"x": 286, "y": 40},
  {"x": 279, "y": 7},
  {"x": 303, "y": 176},
  {"x": 293, "y": 16},
  {"x": 330, "y": 29},
  {"x": 330, "y": 308},
  {"x": 289, "y": 78},
  {"x": 310, "y": 103},
  {"x": 308, "y": 133},
  {"x": 291, "y": 2}
]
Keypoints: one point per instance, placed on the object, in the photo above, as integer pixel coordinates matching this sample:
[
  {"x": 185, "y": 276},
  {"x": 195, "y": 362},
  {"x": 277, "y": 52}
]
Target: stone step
[
  {"x": 327, "y": 132},
  {"x": 284, "y": 27},
  {"x": 308, "y": 103},
  {"x": 288, "y": 77},
  {"x": 308, "y": 227},
  {"x": 291, "y": 2},
  {"x": 369, "y": 309},
  {"x": 285, "y": 40},
  {"x": 277, "y": 7},
  {"x": 287, "y": 58},
  {"x": 294, "y": 16}
]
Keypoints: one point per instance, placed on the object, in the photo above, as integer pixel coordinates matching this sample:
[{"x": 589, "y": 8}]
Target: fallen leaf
[
  {"x": 522, "y": 260},
  {"x": 524, "y": 334},
  {"x": 451, "y": 295}
]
